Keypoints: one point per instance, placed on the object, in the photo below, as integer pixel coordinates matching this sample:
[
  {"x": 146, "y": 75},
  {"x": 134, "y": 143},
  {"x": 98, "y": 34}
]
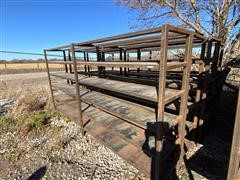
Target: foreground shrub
[
  {"x": 28, "y": 103},
  {"x": 6, "y": 124},
  {"x": 36, "y": 121}
]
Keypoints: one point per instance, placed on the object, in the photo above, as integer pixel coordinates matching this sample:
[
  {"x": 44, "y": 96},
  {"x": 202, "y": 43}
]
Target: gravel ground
[
  {"x": 58, "y": 151},
  {"x": 5, "y": 105}
]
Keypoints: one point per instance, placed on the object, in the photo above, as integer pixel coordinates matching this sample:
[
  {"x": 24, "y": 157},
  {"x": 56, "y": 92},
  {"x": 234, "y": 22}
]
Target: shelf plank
[
  {"x": 140, "y": 91},
  {"x": 138, "y": 115},
  {"x": 129, "y": 64}
]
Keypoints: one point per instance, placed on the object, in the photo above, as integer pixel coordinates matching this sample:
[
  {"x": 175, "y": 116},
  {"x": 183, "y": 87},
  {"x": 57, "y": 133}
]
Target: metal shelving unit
[{"x": 122, "y": 102}]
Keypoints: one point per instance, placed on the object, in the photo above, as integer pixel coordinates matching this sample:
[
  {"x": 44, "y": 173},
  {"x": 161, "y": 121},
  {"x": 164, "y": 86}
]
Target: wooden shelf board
[
  {"x": 140, "y": 91},
  {"x": 141, "y": 116}
]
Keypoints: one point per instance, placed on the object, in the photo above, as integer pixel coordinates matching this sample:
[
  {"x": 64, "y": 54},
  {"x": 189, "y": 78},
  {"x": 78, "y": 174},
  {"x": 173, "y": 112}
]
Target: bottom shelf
[{"x": 132, "y": 143}]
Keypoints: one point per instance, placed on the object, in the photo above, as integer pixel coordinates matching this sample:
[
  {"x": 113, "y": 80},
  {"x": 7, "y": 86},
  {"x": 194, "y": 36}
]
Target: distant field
[{"x": 13, "y": 68}]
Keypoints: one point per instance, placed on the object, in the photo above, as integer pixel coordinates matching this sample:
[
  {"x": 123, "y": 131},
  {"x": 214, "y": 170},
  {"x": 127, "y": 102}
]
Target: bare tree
[{"x": 219, "y": 18}]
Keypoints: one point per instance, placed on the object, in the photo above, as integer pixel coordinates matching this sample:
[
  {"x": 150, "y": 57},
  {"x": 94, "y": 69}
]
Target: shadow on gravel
[
  {"x": 168, "y": 156},
  {"x": 211, "y": 160},
  {"x": 38, "y": 174}
]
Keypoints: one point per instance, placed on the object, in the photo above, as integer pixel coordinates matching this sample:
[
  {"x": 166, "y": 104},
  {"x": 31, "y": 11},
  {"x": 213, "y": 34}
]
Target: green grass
[
  {"x": 6, "y": 124},
  {"x": 36, "y": 121},
  {"x": 28, "y": 122}
]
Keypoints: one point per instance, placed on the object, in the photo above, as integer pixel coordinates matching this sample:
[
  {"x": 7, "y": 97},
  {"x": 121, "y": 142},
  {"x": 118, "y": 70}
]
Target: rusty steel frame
[
  {"x": 77, "y": 89},
  {"x": 162, "y": 65},
  {"x": 184, "y": 98},
  {"x": 49, "y": 79},
  {"x": 161, "y": 103}
]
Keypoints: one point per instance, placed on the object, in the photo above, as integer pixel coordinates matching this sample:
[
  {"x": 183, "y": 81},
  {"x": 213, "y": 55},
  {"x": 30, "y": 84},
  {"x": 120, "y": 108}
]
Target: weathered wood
[
  {"x": 130, "y": 64},
  {"x": 148, "y": 93},
  {"x": 131, "y": 112}
]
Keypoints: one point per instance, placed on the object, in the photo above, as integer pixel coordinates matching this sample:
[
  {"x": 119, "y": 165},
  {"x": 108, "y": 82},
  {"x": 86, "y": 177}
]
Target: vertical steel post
[
  {"x": 199, "y": 93},
  {"x": 69, "y": 59},
  {"x": 125, "y": 59},
  {"x": 161, "y": 100},
  {"x": 49, "y": 79},
  {"x": 77, "y": 88},
  {"x": 103, "y": 59},
  {"x": 85, "y": 59},
  {"x": 128, "y": 58},
  {"x": 138, "y": 58},
  {"x": 112, "y": 60},
  {"x": 209, "y": 55},
  {"x": 70, "y": 65},
  {"x": 216, "y": 55},
  {"x": 220, "y": 56},
  {"x": 88, "y": 67},
  {"x": 66, "y": 67},
  {"x": 120, "y": 57},
  {"x": 203, "y": 52},
  {"x": 184, "y": 97},
  {"x": 98, "y": 59},
  {"x": 198, "y": 98},
  {"x": 233, "y": 168},
  {"x": 150, "y": 58}
]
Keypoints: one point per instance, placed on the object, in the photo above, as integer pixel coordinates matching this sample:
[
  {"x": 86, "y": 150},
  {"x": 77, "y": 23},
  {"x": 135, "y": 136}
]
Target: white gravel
[{"x": 60, "y": 152}]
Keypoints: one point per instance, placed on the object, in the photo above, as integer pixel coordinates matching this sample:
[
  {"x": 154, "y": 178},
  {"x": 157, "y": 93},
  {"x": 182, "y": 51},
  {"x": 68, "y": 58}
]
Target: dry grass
[
  {"x": 13, "y": 68},
  {"x": 29, "y": 102},
  {"x": 31, "y": 111},
  {"x": 15, "y": 90}
]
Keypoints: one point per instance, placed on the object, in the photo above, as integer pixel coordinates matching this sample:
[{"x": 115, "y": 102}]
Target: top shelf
[
  {"x": 129, "y": 64},
  {"x": 176, "y": 35}
]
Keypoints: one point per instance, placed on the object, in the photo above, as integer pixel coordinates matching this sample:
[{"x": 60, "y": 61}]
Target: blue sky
[{"x": 32, "y": 25}]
